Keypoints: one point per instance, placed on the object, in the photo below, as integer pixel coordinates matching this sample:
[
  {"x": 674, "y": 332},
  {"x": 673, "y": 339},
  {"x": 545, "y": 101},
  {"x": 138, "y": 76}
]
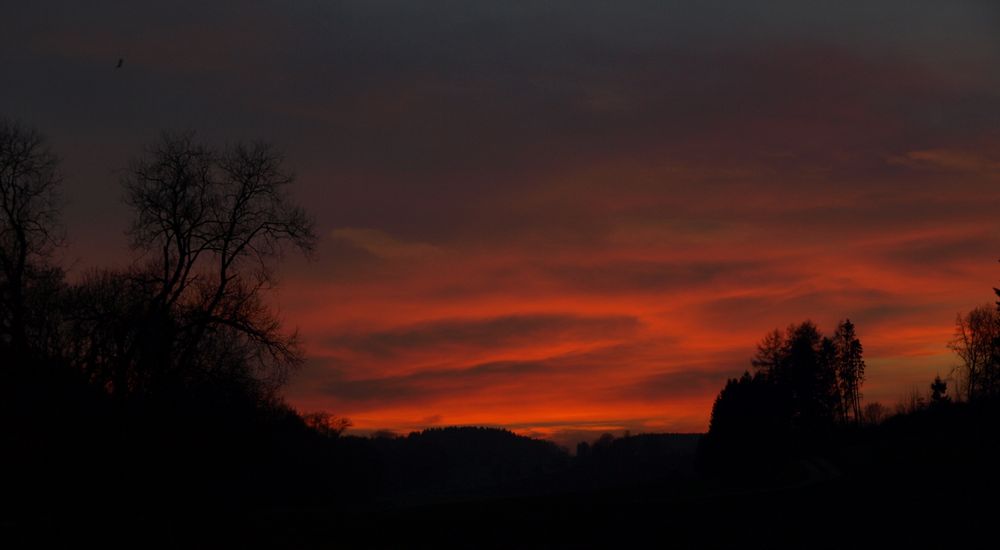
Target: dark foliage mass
[
  {"x": 977, "y": 344},
  {"x": 142, "y": 407},
  {"x": 161, "y": 379},
  {"x": 805, "y": 385}
]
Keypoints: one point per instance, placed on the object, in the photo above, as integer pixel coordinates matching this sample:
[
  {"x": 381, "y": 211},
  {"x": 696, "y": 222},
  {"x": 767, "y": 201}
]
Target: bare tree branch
[
  {"x": 29, "y": 224},
  {"x": 211, "y": 224}
]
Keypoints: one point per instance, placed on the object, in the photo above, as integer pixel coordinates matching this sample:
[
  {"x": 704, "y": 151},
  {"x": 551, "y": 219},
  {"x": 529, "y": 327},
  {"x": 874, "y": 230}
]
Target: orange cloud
[{"x": 948, "y": 159}]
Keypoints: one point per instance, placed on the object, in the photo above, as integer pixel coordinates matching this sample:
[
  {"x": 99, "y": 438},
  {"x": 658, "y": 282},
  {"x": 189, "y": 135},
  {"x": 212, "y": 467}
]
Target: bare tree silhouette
[
  {"x": 975, "y": 342},
  {"x": 207, "y": 227},
  {"x": 850, "y": 370},
  {"x": 29, "y": 226}
]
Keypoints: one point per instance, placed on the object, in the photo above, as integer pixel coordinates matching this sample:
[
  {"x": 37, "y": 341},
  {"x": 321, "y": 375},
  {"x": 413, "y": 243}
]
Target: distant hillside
[
  {"x": 474, "y": 462},
  {"x": 458, "y": 460}
]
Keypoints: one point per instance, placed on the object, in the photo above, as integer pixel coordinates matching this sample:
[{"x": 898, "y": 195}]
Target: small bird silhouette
[{"x": 120, "y": 63}]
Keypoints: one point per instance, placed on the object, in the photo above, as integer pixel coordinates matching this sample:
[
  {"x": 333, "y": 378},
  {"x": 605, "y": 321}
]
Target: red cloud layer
[{"x": 636, "y": 323}]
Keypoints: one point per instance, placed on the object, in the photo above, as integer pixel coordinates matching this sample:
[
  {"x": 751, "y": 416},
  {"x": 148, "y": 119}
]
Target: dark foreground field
[
  {"x": 828, "y": 514},
  {"x": 923, "y": 480}
]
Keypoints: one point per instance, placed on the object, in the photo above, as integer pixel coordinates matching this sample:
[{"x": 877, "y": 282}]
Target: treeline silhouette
[
  {"x": 159, "y": 380},
  {"x": 147, "y": 400},
  {"x": 804, "y": 385}
]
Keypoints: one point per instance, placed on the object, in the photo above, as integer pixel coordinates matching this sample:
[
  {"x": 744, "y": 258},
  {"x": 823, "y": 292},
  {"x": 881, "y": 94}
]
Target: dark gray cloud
[
  {"x": 685, "y": 381},
  {"x": 415, "y": 113},
  {"x": 491, "y": 333},
  {"x": 429, "y": 385},
  {"x": 556, "y": 376},
  {"x": 610, "y": 277},
  {"x": 948, "y": 252}
]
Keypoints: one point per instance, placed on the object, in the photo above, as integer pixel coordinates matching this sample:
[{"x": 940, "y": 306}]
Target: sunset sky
[{"x": 560, "y": 217}]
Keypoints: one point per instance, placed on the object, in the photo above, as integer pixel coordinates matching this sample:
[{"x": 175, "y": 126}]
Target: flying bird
[{"x": 120, "y": 62}]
